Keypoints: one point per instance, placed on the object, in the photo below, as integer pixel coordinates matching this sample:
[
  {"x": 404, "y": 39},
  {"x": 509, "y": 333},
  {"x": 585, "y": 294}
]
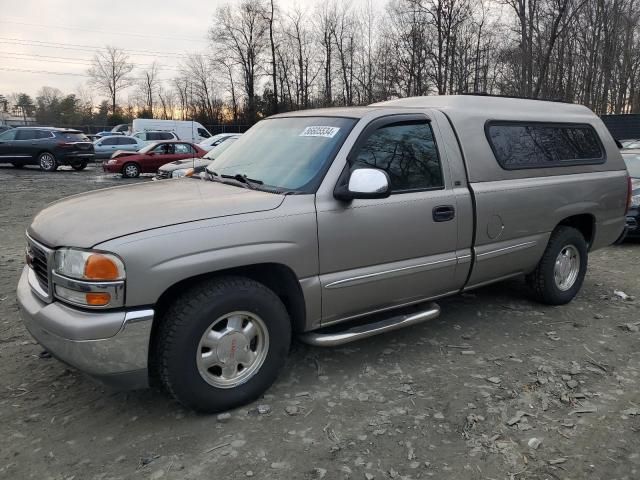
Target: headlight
[
  {"x": 88, "y": 279},
  {"x": 635, "y": 201},
  {"x": 112, "y": 161},
  {"x": 87, "y": 265},
  {"x": 183, "y": 172}
]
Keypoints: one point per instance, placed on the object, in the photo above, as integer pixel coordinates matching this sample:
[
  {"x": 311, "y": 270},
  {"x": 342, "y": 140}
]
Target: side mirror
[{"x": 364, "y": 183}]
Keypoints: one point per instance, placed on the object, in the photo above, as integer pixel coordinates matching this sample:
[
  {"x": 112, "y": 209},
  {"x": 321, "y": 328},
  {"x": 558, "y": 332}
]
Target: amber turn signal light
[
  {"x": 100, "y": 267},
  {"x": 98, "y": 299}
]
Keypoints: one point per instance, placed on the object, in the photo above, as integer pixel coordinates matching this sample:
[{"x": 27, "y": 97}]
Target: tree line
[{"x": 264, "y": 59}]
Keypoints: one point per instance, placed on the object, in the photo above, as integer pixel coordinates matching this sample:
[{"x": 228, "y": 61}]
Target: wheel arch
[
  {"x": 45, "y": 150},
  {"x": 279, "y": 278},
  {"x": 127, "y": 162},
  {"x": 585, "y": 223}
]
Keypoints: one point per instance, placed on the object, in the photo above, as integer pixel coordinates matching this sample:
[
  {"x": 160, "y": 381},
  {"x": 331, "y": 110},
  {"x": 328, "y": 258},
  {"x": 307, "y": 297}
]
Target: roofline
[{"x": 493, "y": 95}]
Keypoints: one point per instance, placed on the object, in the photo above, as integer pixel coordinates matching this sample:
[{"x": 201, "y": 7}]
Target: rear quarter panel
[
  {"x": 516, "y": 217},
  {"x": 516, "y": 210}
]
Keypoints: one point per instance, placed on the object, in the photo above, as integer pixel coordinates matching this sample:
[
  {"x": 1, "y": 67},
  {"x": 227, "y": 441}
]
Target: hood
[
  {"x": 188, "y": 163},
  {"x": 90, "y": 218},
  {"x": 123, "y": 153}
]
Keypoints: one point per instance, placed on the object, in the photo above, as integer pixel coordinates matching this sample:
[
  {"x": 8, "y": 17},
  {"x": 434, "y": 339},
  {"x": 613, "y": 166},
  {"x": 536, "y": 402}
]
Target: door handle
[{"x": 443, "y": 213}]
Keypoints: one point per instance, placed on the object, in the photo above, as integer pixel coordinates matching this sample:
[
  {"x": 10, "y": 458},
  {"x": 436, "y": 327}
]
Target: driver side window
[
  {"x": 8, "y": 136},
  {"x": 407, "y": 152}
]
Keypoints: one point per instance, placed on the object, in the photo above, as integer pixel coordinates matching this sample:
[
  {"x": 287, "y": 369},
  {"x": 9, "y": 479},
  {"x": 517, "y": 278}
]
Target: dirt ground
[{"x": 498, "y": 387}]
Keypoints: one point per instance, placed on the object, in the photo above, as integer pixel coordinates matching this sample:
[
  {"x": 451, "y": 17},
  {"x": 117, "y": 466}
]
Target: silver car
[
  {"x": 216, "y": 140},
  {"x": 107, "y": 146}
]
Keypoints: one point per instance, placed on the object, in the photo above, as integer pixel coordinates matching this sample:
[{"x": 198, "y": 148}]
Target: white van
[{"x": 188, "y": 131}]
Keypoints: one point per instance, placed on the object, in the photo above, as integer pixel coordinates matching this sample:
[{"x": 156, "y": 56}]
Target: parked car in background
[
  {"x": 194, "y": 166},
  {"x": 628, "y": 141},
  {"x": 185, "y": 130},
  {"x": 632, "y": 160},
  {"x": 154, "y": 136},
  {"x": 150, "y": 158},
  {"x": 313, "y": 219},
  {"x": 107, "y": 133},
  {"x": 45, "y": 146},
  {"x": 107, "y": 146},
  {"x": 122, "y": 128},
  {"x": 216, "y": 140},
  {"x": 630, "y": 144}
]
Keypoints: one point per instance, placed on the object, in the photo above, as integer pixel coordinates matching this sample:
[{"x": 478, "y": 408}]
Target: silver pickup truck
[{"x": 332, "y": 225}]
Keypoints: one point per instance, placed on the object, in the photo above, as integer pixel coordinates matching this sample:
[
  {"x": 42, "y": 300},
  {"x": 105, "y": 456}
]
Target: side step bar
[{"x": 359, "y": 332}]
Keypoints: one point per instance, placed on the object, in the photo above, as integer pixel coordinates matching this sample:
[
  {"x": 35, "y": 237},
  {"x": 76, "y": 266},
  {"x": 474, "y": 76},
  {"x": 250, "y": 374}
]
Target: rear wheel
[
  {"x": 79, "y": 166},
  {"x": 47, "y": 162},
  {"x": 131, "y": 170},
  {"x": 560, "y": 273},
  {"x": 222, "y": 344}
]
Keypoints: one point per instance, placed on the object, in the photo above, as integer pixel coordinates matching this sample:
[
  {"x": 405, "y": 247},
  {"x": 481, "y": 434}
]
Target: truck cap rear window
[{"x": 518, "y": 145}]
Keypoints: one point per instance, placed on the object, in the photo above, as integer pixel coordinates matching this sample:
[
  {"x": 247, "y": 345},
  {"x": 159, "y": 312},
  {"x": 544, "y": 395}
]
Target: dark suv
[{"x": 45, "y": 146}]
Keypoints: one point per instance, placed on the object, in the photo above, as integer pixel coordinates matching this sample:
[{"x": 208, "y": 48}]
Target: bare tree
[
  {"x": 148, "y": 85},
  {"x": 241, "y": 31},
  {"x": 274, "y": 73},
  {"x": 326, "y": 24},
  {"x": 111, "y": 73}
]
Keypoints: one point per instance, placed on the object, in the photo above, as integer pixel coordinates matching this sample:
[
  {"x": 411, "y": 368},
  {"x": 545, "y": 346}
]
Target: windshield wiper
[
  {"x": 250, "y": 182},
  {"x": 242, "y": 180},
  {"x": 237, "y": 180}
]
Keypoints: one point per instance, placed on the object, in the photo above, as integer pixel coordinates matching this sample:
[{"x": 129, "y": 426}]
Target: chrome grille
[
  {"x": 163, "y": 174},
  {"x": 39, "y": 258}
]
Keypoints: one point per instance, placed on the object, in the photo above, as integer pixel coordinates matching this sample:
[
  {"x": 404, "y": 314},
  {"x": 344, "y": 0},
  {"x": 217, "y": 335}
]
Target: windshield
[
  {"x": 286, "y": 153},
  {"x": 148, "y": 148},
  {"x": 215, "y": 139},
  {"x": 633, "y": 164},
  {"x": 218, "y": 149}
]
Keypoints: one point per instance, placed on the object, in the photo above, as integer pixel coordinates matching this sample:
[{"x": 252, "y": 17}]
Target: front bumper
[
  {"x": 112, "y": 347},
  {"x": 111, "y": 168}
]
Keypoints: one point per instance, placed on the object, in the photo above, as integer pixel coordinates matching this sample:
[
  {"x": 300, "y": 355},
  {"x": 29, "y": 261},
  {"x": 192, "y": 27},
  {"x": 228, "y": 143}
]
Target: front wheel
[
  {"x": 79, "y": 166},
  {"x": 48, "y": 162},
  {"x": 222, "y": 344},
  {"x": 560, "y": 273},
  {"x": 131, "y": 170}
]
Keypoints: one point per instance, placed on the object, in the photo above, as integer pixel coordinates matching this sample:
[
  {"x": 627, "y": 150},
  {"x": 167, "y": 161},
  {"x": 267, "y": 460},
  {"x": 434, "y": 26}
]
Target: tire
[
  {"x": 214, "y": 307},
  {"x": 47, "y": 162},
  {"x": 131, "y": 170},
  {"x": 79, "y": 166},
  {"x": 565, "y": 244},
  {"x": 18, "y": 165}
]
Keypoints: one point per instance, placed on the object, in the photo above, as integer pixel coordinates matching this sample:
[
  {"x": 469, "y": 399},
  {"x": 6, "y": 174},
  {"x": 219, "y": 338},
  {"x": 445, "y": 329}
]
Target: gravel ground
[{"x": 497, "y": 388}]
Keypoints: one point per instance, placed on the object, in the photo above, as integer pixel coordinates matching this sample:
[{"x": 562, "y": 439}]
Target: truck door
[{"x": 377, "y": 254}]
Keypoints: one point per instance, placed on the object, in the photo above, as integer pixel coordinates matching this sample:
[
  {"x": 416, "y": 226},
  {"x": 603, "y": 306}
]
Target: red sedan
[{"x": 150, "y": 158}]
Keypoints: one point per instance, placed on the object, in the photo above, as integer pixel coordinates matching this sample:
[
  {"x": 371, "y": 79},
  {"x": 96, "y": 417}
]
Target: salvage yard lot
[{"x": 498, "y": 387}]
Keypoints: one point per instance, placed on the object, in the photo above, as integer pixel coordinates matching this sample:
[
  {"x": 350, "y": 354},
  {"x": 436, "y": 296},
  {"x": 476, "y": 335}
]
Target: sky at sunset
[{"x": 52, "y": 42}]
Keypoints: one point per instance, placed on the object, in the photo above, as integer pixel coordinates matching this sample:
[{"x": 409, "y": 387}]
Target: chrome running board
[{"x": 320, "y": 339}]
